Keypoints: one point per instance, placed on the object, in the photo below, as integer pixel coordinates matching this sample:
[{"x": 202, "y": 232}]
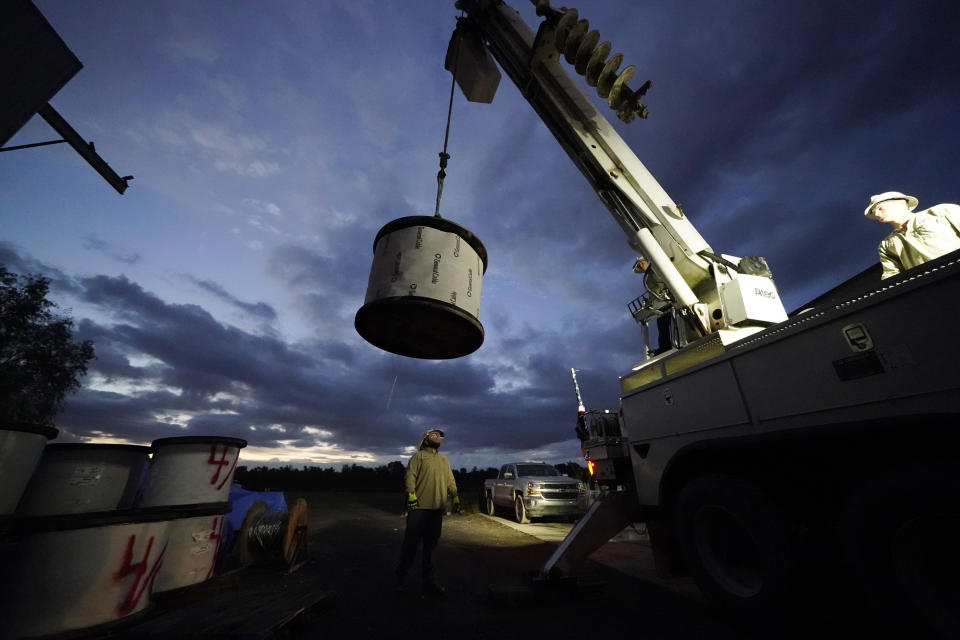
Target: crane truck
[{"x": 772, "y": 456}]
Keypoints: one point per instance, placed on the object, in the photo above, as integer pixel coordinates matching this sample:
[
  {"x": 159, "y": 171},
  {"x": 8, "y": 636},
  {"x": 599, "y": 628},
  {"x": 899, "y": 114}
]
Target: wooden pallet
[{"x": 253, "y": 602}]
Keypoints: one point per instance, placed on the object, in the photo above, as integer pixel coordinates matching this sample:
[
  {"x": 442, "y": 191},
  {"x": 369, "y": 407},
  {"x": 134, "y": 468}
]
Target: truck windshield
[{"x": 527, "y": 470}]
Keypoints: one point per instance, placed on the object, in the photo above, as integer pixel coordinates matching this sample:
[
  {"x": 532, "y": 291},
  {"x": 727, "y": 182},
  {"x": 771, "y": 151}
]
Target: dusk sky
[{"x": 270, "y": 141}]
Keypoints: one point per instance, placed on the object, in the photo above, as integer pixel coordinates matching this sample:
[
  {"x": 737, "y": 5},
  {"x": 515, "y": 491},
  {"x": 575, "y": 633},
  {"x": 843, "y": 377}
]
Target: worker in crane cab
[
  {"x": 654, "y": 285},
  {"x": 659, "y": 301},
  {"x": 918, "y": 236}
]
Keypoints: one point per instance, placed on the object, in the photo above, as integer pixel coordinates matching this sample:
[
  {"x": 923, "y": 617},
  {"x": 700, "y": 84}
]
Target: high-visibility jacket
[{"x": 430, "y": 477}]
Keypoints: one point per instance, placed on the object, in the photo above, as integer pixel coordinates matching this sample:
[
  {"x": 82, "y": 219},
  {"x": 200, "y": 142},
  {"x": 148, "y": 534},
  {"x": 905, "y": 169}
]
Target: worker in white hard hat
[{"x": 918, "y": 236}]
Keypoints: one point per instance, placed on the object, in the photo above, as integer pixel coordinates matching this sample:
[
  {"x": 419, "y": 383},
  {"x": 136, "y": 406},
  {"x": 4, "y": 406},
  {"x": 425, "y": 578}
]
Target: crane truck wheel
[
  {"x": 899, "y": 532},
  {"x": 520, "y": 511},
  {"x": 745, "y": 552}
]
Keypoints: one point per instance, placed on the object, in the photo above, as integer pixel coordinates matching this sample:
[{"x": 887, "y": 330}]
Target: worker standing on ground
[
  {"x": 918, "y": 236},
  {"x": 429, "y": 482}
]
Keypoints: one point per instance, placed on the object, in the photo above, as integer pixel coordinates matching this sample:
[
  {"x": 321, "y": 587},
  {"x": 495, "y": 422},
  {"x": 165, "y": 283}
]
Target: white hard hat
[{"x": 889, "y": 195}]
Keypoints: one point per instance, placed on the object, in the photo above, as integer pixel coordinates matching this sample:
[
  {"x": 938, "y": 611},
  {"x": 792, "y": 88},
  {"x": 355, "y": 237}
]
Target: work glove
[
  {"x": 412, "y": 502},
  {"x": 456, "y": 504}
]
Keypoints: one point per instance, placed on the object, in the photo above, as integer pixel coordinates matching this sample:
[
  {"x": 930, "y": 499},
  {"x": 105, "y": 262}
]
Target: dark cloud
[
  {"x": 16, "y": 260},
  {"x": 12, "y": 258},
  {"x": 116, "y": 253},
  {"x": 260, "y": 310},
  {"x": 202, "y": 376},
  {"x": 91, "y": 414},
  {"x": 227, "y": 381},
  {"x": 325, "y": 287}
]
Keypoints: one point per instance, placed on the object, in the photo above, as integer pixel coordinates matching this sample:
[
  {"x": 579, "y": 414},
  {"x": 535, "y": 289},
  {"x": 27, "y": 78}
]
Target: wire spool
[
  {"x": 423, "y": 296},
  {"x": 273, "y": 536}
]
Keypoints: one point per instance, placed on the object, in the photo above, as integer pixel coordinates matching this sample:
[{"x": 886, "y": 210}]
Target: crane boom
[{"x": 654, "y": 225}]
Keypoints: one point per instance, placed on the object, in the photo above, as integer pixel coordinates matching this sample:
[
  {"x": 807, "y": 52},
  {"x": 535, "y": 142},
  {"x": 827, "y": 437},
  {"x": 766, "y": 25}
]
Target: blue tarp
[{"x": 241, "y": 500}]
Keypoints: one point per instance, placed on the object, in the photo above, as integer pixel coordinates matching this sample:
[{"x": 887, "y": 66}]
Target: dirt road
[{"x": 355, "y": 542}]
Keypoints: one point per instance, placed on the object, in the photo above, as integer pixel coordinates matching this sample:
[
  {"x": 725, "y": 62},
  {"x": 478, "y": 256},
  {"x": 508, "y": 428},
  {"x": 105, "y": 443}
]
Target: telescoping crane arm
[{"x": 699, "y": 282}]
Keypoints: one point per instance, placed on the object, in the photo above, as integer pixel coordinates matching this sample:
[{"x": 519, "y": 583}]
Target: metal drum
[
  {"x": 80, "y": 478},
  {"x": 21, "y": 446},
  {"x": 191, "y": 470},
  {"x": 423, "y": 296}
]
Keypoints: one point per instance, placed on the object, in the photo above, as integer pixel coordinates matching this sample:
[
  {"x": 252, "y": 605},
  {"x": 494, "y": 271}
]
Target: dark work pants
[{"x": 423, "y": 525}]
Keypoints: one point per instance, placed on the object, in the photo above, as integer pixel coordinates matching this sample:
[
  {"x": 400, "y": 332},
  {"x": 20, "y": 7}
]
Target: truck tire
[
  {"x": 520, "y": 511},
  {"x": 745, "y": 552},
  {"x": 898, "y": 534},
  {"x": 489, "y": 506}
]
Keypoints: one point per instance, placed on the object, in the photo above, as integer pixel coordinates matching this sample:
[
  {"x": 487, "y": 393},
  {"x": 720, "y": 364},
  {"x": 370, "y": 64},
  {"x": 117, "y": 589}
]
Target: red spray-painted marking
[
  {"x": 220, "y": 464},
  {"x": 143, "y": 576},
  {"x": 217, "y": 530}
]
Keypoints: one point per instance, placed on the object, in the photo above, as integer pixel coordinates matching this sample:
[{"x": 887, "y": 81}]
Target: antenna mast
[{"x": 580, "y": 408}]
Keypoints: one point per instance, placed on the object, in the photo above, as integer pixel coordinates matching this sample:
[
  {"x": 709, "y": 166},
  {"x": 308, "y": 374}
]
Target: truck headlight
[
  {"x": 533, "y": 489},
  {"x": 580, "y": 488}
]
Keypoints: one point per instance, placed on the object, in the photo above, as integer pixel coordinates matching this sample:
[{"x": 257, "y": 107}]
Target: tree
[
  {"x": 39, "y": 360},
  {"x": 573, "y": 470}
]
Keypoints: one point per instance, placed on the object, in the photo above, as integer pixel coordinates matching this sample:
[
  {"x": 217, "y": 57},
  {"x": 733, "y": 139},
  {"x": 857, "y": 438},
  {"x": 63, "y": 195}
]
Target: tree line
[{"x": 354, "y": 477}]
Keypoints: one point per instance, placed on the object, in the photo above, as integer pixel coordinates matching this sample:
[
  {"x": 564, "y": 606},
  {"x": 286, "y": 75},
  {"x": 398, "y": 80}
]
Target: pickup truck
[{"x": 533, "y": 490}]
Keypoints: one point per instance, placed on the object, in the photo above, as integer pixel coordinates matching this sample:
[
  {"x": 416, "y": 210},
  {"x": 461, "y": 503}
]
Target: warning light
[{"x": 591, "y": 465}]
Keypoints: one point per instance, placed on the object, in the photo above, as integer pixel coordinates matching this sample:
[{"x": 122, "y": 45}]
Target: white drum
[
  {"x": 193, "y": 543},
  {"x": 81, "y": 478},
  {"x": 69, "y": 572},
  {"x": 423, "y": 296},
  {"x": 191, "y": 470},
  {"x": 21, "y": 446}
]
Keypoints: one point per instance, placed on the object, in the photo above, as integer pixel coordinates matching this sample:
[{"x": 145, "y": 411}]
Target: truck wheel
[
  {"x": 898, "y": 532},
  {"x": 489, "y": 507},
  {"x": 744, "y": 551},
  {"x": 520, "y": 511}
]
